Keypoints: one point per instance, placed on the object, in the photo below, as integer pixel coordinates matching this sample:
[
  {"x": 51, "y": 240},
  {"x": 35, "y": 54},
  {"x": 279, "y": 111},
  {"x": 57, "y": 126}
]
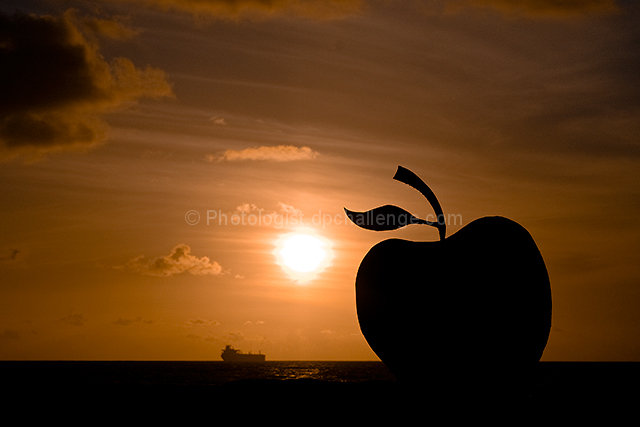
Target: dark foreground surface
[{"x": 363, "y": 391}]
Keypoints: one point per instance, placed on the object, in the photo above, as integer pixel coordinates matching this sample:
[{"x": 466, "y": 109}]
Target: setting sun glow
[{"x": 302, "y": 256}]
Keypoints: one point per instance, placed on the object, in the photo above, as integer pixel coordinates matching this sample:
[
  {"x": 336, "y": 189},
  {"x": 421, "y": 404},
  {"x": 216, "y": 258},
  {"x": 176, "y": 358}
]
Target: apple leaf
[
  {"x": 405, "y": 176},
  {"x": 384, "y": 218}
]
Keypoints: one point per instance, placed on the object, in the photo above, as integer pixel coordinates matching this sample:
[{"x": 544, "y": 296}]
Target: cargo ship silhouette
[{"x": 230, "y": 354}]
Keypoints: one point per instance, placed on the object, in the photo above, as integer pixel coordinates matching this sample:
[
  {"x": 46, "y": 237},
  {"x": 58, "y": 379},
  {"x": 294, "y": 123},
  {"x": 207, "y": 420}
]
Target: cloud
[
  {"x": 128, "y": 322},
  {"x": 248, "y": 208},
  {"x": 10, "y": 255},
  {"x": 108, "y": 28},
  {"x": 242, "y": 9},
  {"x": 335, "y": 9},
  {"x": 9, "y": 335},
  {"x": 254, "y": 323},
  {"x": 251, "y": 214},
  {"x": 180, "y": 260},
  {"x": 74, "y": 319},
  {"x": 56, "y": 85},
  {"x": 220, "y": 121},
  {"x": 290, "y": 210},
  {"x": 540, "y": 8},
  {"x": 191, "y": 323},
  {"x": 276, "y": 153}
]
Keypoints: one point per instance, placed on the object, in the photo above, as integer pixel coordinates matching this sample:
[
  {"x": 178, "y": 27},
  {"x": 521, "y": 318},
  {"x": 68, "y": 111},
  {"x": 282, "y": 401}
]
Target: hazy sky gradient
[{"x": 529, "y": 111}]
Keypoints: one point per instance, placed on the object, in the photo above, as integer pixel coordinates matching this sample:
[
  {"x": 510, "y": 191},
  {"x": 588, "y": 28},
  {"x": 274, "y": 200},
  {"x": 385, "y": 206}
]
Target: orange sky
[{"x": 127, "y": 125}]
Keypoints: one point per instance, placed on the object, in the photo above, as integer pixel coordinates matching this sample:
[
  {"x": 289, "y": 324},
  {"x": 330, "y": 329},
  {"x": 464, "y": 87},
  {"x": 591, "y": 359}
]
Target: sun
[{"x": 302, "y": 255}]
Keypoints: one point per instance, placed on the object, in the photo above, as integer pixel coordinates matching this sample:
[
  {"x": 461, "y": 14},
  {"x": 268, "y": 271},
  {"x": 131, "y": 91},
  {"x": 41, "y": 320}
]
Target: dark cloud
[
  {"x": 331, "y": 9},
  {"x": 56, "y": 85},
  {"x": 540, "y": 8},
  {"x": 238, "y": 9}
]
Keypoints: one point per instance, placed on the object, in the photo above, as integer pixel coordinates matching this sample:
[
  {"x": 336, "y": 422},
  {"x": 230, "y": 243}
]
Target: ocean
[
  {"x": 191, "y": 374},
  {"x": 360, "y": 390}
]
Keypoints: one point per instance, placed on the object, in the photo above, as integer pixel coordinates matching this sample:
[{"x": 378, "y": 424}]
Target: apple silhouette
[{"x": 471, "y": 307}]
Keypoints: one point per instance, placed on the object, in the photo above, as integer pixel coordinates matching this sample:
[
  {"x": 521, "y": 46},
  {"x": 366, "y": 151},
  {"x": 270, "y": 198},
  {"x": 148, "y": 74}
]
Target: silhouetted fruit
[{"x": 474, "y": 306}]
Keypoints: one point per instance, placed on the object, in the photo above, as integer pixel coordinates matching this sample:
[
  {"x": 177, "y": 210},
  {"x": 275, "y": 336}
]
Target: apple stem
[{"x": 405, "y": 176}]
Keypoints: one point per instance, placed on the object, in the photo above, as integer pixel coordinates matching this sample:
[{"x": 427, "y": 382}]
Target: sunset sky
[{"x": 155, "y": 154}]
